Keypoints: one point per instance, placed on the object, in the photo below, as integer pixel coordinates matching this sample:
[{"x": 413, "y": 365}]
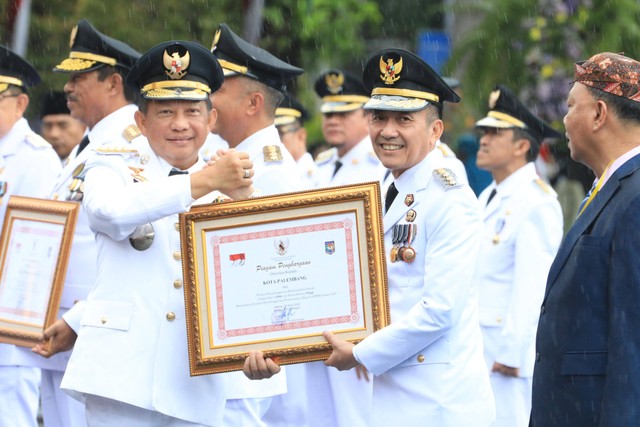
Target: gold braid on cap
[
  {"x": 345, "y": 98},
  {"x": 233, "y": 67},
  {"x": 407, "y": 93},
  {"x": 11, "y": 80},
  {"x": 507, "y": 118},
  {"x": 288, "y": 112},
  {"x": 176, "y": 84}
]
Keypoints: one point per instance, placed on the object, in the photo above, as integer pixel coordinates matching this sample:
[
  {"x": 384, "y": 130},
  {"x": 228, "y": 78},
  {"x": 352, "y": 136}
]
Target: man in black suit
[{"x": 588, "y": 342}]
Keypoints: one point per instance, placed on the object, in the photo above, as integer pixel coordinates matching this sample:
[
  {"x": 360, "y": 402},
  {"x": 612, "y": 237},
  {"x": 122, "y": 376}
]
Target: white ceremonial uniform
[
  {"x": 335, "y": 398},
  {"x": 28, "y": 166},
  {"x": 275, "y": 172},
  {"x": 360, "y": 164},
  {"x": 308, "y": 170},
  {"x": 292, "y": 408},
  {"x": 428, "y": 364},
  {"x": 452, "y": 163},
  {"x": 522, "y": 233},
  {"x": 132, "y": 342},
  {"x": 212, "y": 144},
  {"x": 58, "y": 408}
]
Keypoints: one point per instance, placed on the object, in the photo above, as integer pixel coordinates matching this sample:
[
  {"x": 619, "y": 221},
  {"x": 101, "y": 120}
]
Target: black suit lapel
[{"x": 588, "y": 217}]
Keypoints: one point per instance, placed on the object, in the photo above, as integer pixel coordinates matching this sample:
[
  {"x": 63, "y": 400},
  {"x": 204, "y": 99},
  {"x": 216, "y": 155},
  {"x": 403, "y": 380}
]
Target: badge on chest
[{"x": 402, "y": 236}]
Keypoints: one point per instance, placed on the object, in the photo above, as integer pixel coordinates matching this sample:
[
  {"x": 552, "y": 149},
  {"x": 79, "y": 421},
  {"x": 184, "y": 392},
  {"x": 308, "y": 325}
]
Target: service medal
[{"x": 409, "y": 254}]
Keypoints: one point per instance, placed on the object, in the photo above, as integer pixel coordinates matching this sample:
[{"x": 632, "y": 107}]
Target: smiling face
[
  {"x": 176, "y": 130},
  {"x": 401, "y": 140}
]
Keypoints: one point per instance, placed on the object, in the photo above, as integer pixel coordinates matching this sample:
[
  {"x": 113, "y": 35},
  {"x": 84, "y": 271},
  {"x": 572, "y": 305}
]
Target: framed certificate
[
  {"x": 272, "y": 273},
  {"x": 34, "y": 252}
]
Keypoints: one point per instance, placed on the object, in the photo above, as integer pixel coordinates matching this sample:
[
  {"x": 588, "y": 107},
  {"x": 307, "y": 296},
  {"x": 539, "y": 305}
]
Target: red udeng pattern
[{"x": 353, "y": 317}]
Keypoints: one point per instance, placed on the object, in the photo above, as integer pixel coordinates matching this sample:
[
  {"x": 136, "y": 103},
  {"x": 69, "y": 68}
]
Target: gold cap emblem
[
  {"x": 72, "y": 39},
  {"x": 390, "y": 71},
  {"x": 216, "y": 38},
  {"x": 334, "y": 82},
  {"x": 176, "y": 65},
  {"x": 493, "y": 98}
]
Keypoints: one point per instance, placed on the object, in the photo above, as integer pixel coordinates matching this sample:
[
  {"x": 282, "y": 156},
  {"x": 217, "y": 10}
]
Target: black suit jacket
[{"x": 587, "y": 370}]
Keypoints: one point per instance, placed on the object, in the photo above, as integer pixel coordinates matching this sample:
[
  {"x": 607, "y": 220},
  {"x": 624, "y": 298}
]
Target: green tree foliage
[{"x": 531, "y": 45}]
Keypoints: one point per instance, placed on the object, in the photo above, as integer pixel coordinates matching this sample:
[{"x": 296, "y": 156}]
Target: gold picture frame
[
  {"x": 271, "y": 273},
  {"x": 34, "y": 252}
]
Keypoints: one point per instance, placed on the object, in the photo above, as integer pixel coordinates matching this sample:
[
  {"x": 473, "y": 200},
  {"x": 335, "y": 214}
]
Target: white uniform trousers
[
  {"x": 513, "y": 400},
  {"x": 248, "y": 412},
  {"x": 19, "y": 394},
  {"x": 58, "y": 408},
  {"x": 338, "y": 398},
  {"x": 512, "y": 395},
  {"x": 103, "y": 412},
  {"x": 291, "y": 408}
]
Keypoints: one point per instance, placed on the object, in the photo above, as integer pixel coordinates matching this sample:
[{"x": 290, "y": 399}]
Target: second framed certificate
[{"x": 273, "y": 273}]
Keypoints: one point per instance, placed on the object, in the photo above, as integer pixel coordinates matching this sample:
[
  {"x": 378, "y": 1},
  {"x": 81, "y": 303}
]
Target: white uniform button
[
  {"x": 171, "y": 316},
  {"x": 177, "y": 226},
  {"x": 176, "y": 255},
  {"x": 420, "y": 358},
  {"x": 499, "y": 319},
  {"x": 103, "y": 319},
  {"x": 177, "y": 284}
]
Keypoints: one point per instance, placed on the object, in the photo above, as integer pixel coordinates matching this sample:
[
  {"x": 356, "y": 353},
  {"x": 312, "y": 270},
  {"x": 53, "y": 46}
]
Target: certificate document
[
  {"x": 35, "y": 243},
  {"x": 267, "y": 280},
  {"x": 32, "y": 257},
  {"x": 273, "y": 273}
]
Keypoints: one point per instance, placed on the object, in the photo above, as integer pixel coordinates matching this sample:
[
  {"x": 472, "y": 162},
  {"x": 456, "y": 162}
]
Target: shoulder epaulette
[
  {"x": 446, "y": 178},
  {"x": 446, "y": 151},
  {"x": 131, "y": 132},
  {"x": 544, "y": 186},
  {"x": 36, "y": 141},
  {"x": 325, "y": 156},
  {"x": 272, "y": 153},
  {"x": 117, "y": 150}
]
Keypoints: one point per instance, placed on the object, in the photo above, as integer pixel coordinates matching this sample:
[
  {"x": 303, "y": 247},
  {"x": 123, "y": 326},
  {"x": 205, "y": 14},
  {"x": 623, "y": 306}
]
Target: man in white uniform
[
  {"x": 522, "y": 233},
  {"x": 428, "y": 362},
  {"x": 253, "y": 88},
  {"x": 28, "y": 165},
  {"x": 59, "y": 128},
  {"x": 130, "y": 361},
  {"x": 350, "y": 159},
  {"x": 290, "y": 119},
  {"x": 98, "y": 98}
]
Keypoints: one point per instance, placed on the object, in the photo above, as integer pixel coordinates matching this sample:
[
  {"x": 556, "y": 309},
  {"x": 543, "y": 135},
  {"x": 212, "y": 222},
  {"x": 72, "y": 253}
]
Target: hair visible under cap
[
  {"x": 624, "y": 108},
  {"x": 534, "y": 143}
]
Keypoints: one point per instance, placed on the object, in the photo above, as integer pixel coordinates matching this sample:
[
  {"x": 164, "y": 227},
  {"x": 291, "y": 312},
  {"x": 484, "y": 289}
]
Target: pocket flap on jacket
[
  {"x": 584, "y": 363},
  {"x": 108, "y": 314}
]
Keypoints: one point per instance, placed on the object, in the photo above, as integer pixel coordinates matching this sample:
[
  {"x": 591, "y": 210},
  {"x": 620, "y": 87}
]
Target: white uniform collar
[
  {"x": 361, "y": 149},
  {"x": 514, "y": 181},
  {"x": 10, "y": 142},
  {"x": 258, "y": 140},
  {"x": 102, "y": 132}
]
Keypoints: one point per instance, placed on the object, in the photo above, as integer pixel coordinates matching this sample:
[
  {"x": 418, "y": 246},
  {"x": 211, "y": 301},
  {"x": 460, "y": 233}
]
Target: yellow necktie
[{"x": 595, "y": 191}]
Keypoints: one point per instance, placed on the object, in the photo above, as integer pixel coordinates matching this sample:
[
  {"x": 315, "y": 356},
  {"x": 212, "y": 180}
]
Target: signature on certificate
[{"x": 281, "y": 316}]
